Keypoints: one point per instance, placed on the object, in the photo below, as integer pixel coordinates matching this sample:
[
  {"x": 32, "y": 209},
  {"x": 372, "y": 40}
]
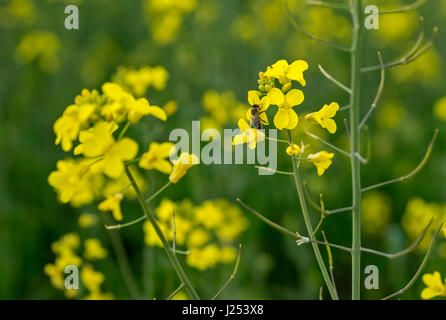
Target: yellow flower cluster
[
  {"x": 65, "y": 250},
  {"x": 221, "y": 108},
  {"x": 206, "y": 232},
  {"x": 283, "y": 74},
  {"x": 166, "y": 16},
  {"x": 137, "y": 81},
  {"x": 418, "y": 214},
  {"x": 40, "y": 46}
]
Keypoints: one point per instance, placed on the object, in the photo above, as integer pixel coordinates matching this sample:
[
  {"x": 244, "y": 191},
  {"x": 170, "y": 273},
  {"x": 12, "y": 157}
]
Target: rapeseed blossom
[
  {"x": 323, "y": 117},
  {"x": 182, "y": 165},
  {"x": 321, "y": 160},
  {"x": 156, "y": 157},
  {"x": 248, "y": 135},
  {"x": 206, "y": 232},
  {"x": 435, "y": 286},
  {"x": 286, "y": 117}
]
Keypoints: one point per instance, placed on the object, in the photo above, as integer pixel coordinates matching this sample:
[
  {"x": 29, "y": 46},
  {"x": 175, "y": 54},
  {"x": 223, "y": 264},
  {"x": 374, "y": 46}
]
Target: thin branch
[
  {"x": 321, "y": 297},
  {"x": 413, "y": 172},
  {"x": 344, "y": 108},
  {"x": 345, "y": 153},
  {"x": 288, "y": 232},
  {"x": 412, "y": 55},
  {"x": 123, "y": 225},
  {"x": 322, "y": 216},
  {"x": 297, "y": 25},
  {"x": 409, "y": 7},
  {"x": 405, "y": 251},
  {"x": 378, "y": 93},
  {"x": 318, "y": 208},
  {"x": 175, "y": 292},
  {"x": 234, "y": 273},
  {"x": 273, "y": 171},
  {"x": 329, "y": 4},
  {"x": 332, "y": 79},
  {"x": 153, "y": 196},
  {"x": 330, "y": 262},
  {"x": 420, "y": 268},
  {"x": 174, "y": 231}
]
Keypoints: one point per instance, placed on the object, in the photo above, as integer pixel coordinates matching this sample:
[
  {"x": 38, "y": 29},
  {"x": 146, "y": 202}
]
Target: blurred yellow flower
[
  {"x": 141, "y": 107},
  {"x": 156, "y": 157},
  {"x": 182, "y": 165},
  {"x": 203, "y": 258},
  {"x": 87, "y": 220},
  {"x": 91, "y": 279},
  {"x": 285, "y": 117},
  {"x": 376, "y": 212},
  {"x": 94, "y": 249},
  {"x": 440, "y": 109},
  {"x": 323, "y": 117},
  {"x": 113, "y": 204},
  {"x": 322, "y": 160},
  {"x": 435, "y": 286}
]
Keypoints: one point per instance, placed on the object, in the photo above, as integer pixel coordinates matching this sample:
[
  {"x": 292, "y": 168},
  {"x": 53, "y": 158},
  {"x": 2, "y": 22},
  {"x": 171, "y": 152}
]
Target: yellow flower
[
  {"x": 249, "y": 135},
  {"x": 92, "y": 279},
  {"x": 181, "y": 165},
  {"x": 141, "y": 107},
  {"x": 293, "y": 150},
  {"x": 155, "y": 157},
  {"x": 87, "y": 220},
  {"x": 285, "y": 117},
  {"x": 323, "y": 117},
  {"x": 263, "y": 104},
  {"x": 435, "y": 286},
  {"x": 198, "y": 237},
  {"x": 170, "y": 107},
  {"x": 113, "y": 204},
  {"x": 284, "y": 72},
  {"x": 73, "y": 119},
  {"x": 98, "y": 295},
  {"x": 440, "y": 109},
  {"x": 98, "y": 141},
  {"x": 204, "y": 258},
  {"x": 322, "y": 160},
  {"x": 94, "y": 249},
  {"x": 74, "y": 181},
  {"x": 151, "y": 237}
]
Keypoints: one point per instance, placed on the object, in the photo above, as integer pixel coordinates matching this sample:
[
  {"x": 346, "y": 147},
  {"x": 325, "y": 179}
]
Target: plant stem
[
  {"x": 356, "y": 55},
  {"x": 173, "y": 259},
  {"x": 303, "y": 205}
]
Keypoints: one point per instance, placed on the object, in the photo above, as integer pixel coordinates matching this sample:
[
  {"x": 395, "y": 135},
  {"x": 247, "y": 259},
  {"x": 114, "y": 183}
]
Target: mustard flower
[
  {"x": 435, "y": 286},
  {"x": 263, "y": 104},
  {"x": 293, "y": 150},
  {"x": 113, "y": 204},
  {"x": 323, "y": 117},
  {"x": 91, "y": 279},
  {"x": 322, "y": 160},
  {"x": 286, "y": 117},
  {"x": 156, "y": 157},
  {"x": 141, "y": 107},
  {"x": 94, "y": 249},
  {"x": 98, "y": 141},
  {"x": 285, "y": 72},
  {"x": 249, "y": 135},
  {"x": 181, "y": 165},
  {"x": 73, "y": 119},
  {"x": 87, "y": 220},
  {"x": 204, "y": 258}
]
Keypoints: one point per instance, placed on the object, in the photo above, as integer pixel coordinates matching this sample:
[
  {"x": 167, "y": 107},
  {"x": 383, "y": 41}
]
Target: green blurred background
[{"x": 219, "y": 45}]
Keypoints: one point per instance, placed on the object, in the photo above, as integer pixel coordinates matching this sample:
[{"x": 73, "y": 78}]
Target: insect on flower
[{"x": 255, "y": 121}]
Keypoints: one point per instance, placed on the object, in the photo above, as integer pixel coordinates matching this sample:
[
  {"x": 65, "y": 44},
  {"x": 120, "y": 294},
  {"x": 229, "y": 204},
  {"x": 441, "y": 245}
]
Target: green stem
[
  {"x": 303, "y": 205},
  {"x": 173, "y": 259},
  {"x": 153, "y": 196},
  {"x": 356, "y": 55},
  {"x": 124, "y": 130}
]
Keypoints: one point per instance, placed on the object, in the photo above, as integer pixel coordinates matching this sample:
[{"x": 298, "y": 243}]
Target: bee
[{"x": 255, "y": 121}]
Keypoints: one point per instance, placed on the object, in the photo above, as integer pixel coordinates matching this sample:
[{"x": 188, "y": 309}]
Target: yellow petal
[
  {"x": 281, "y": 119},
  {"x": 243, "y": 125},
  {"x": 253, "y": 97},
  {"x": 239, "y": 139},
  {"x": 157, "y": 112},
  {"x": 275, "y": 96},
  {"x": 163, "y": 166},
  {"x": 113, "y": 166},
  {"x": 126, "y": 148},
  {"x": 293, "y": 119},
  {"x": 295, "y": 97},
  {"x": 429, "y": 293},
  {"x": 330, "y": 125}
]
